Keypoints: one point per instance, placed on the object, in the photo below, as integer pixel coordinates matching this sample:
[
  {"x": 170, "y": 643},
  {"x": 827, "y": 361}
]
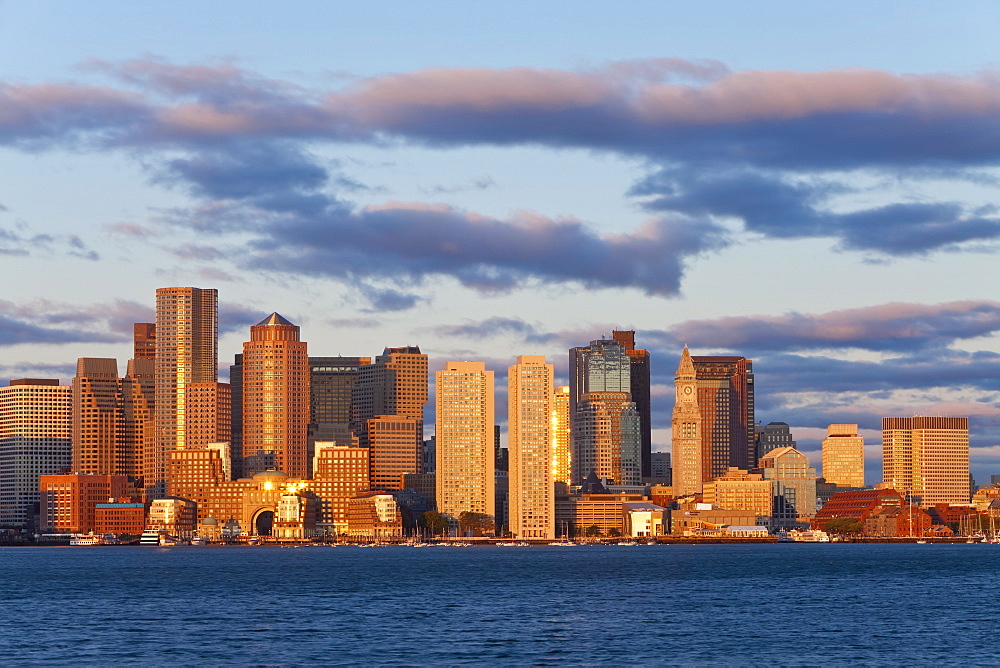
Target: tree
[
  {"x": 844, "y": 525},
  {"x": 435, "y": 521},
  {"x": 614, "y": 533},
  {"x": 476, "y": 523},
  {"x": 593, "y": 530}
]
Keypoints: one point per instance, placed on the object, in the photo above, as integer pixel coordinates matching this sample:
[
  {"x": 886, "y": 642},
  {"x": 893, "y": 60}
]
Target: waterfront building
[
  {"x": 606, "y": 437},
  {"x": 603, "y": 366},
  {"x": 186, "y": 352},
  {"x": 67, "y": 502},
  {"x": 700, "y": 519},
  {"x": 341, "y": 473},
  {"x": 465, "y": 442},
  {"x": 374, "y": 515},
  {"x": 562, "y": 452},
  {"x": 639, "y": 389},
  {"x": 531, "y": 486},
  {"x": 395, "y": 384},
  {"x": 896, "y": 521},
  {"x": 592, "y": 515},
  {"x": 35, "y": 439},
  {"x": 793, "y": 488},
  {"x": 174, "y": 515},
  {"x": 844, "y": 456},
  {"x": 275, "y": 401},
  {"x": 738, "y": 489},
  {"x": 690, "y": 471},
  {"x": 642, "y": 519},
  {"x": 856, "y": 506},
  {"x": 121, "y": 517},
  {"x": 927, "y": 458},
  {"x": 771, "y": 436}
]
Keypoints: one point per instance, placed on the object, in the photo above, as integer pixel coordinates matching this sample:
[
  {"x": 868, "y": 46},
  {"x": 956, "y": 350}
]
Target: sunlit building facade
[
  {"x": 562, "y": 453},
  {"x": 465, "y": 442},
  {"x": 531, "y": 486},
  {"x": 844, "y": 456},
  {"x": 927, "y": 458}
]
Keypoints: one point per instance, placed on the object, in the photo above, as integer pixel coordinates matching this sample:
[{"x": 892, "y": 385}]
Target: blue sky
[{"x": 811, "y": 185}]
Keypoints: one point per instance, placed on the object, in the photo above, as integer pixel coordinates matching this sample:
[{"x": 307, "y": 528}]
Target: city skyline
[{"x": 745, "y": 186}]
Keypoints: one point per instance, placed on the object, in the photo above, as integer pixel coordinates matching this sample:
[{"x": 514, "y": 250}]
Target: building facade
[
  {"x": 562, "y": 452},
  {"x": 275, "y": 399},
  {"x": 793, "y": 488},
  {"x": 465, "y": 444},
  {"x": 606, "y": 435},
  {"x": 927, "y": 458},
  {"x": 689, "y": 470},
  {"x": 726, "y": 401},
  {"x": 35, "y": 439},
  {"x": 603, "y": 366},
  {"x": 186, "y": 352},
  {"x": 844, "y": 456},
  {"x": 639, "y": 389},
  {"x": 531, "y": 485}
]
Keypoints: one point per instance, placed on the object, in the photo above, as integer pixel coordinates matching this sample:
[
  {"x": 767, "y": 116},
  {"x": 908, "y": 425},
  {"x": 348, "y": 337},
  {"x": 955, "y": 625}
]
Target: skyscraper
[
  {"x": 144, "y": 341},
  {"x": 531, "y": 486},
  {"x": 726, "y": 402},
  {"x": 927, "y": 458},
  {"x": 606, "y": 434},
  {"x": 687, "y": 452},
  {"x": 209, "y": 414},
  {"x": 35, "y": 439},
  {"x": 186, "y": 352},
  {"x": 639, "y": 384},
  {"x": 603, "y": 366},
  {"x": 562, "y": 460},
  {"x": 331, "y": 384},
  {"x": 139, "y": 419},
  {"x": 99, "y": 419},
  {"x": 793, "y": 487},
  {"x": 275, "y": 399},
  {"x": 464, "y": 433},
  {"x": 394, "y": 385},
  {"x": 770, "y": 436},
  {"x": 844, "y": 456}
]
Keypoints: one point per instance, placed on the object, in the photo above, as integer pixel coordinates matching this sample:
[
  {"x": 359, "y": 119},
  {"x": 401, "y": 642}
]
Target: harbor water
[{"x": 788, "y": 604}]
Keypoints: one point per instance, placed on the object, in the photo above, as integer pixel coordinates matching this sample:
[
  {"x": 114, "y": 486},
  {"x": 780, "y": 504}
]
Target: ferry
[
  {"x": 199, "y": 540},
  {"x": 807, "y": 536},
  {"x": 150, "y": 537},
  {"x": 82, "y": 539}
]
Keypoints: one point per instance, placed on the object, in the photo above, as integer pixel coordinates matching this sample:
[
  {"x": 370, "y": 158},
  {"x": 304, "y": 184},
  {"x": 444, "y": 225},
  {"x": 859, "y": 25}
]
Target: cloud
[
  {"x": 894, "y": 327},
  {"x": 46, "y": 321},
  {"x": 495, "y": 326},
  {"x": 20, "y": 241}
]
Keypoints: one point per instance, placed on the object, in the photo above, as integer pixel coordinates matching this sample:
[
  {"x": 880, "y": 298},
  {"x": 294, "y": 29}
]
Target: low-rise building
[
  {"x": 122, "y": 517},
  {"x": 896, "y": 521},
  {"x": 645, "y": 520},
  {"x": 68, "y": 502},
  {"x": 374, "y": 515}
]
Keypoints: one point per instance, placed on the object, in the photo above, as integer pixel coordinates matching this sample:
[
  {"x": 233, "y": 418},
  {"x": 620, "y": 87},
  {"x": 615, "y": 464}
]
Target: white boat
[
  {"x": 199, "y": 540},
  {"x": 84, "y": 539},
  {"x": 563, "y": 543},
  {"x": 807, "y": 536},
  {"x": 150, "y": 537},
  {"x": 627, "y": 543}
]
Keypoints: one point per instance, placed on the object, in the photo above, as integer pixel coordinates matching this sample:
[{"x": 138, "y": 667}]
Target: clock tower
[{"x": 686, "y": 422}]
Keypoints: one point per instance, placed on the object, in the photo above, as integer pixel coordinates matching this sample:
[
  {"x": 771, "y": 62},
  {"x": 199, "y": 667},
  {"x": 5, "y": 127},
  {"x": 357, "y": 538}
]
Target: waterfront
[{"x": 788, "y": 604}]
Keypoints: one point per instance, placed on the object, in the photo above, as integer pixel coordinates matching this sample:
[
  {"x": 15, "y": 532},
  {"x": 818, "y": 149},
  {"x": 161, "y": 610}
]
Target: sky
[{"x": 810, "y": 185}]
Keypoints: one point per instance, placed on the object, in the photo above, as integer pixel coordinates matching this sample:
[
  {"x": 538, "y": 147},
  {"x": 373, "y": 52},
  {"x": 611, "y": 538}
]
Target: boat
[
  {"x": 563, "y": 543},
  {"x": 85, "y": 539},
  {"x": 199, "y": 540},
  {"x": 921, "y": 542},
  {"x": 627, "y": 543},
  {"x": 805, "y": 536},
  {"x": 151, "y": 537}
]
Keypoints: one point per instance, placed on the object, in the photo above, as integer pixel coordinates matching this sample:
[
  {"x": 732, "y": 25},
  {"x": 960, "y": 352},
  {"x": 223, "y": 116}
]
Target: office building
[
  {"x": 395, "y": 384},
  {"x": 275, "y": 399},
  {"x": 927, "y": 458},
  {"x": 531, "y": 486},
  {"x": 562, "y": 453},
  {"x": 144, "y": 341},
  {"x": 99, "y": 419},
  {"x": 639, "y": 389},
  {"x": 771, "y": 436},
  {"x": 606, "y": 434},
  {"x": 186, "y": 352},
  {"x": 739, "y": 489},
  {"x": 138, "y": 415},
  {"x": 793, "y": 487},
  {"x": 391, "y": 441},
  {"x": 331, "y": 386},
  {"x": 209, "y": 414},
  {"x": 844, "y": 456},
  {"x": 68, "y": 501},
  {"x": 35, "y": 439},
  {"x": 465, "y": 445}
]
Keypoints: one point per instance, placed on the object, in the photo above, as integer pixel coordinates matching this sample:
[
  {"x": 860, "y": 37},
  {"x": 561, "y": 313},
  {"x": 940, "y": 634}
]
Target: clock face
[{"x": 687, "y": 390}]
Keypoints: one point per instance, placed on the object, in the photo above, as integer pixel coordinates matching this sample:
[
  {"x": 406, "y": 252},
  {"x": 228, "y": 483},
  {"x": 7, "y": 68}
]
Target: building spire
[{"x": 685, "y": 370}]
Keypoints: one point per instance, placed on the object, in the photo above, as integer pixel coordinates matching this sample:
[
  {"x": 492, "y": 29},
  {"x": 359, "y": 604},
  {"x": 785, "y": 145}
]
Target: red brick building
[
  {"x": 68, "y": 502},
  {"x": 122, "y": 517},
  {"x": 857, "y": 506},
  {"x": 898, "y": 521}
]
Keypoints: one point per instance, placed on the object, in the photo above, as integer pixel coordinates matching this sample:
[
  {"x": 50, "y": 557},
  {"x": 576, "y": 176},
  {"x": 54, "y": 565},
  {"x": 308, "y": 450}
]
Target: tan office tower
[
  {"x": 689, "y": 471},
  {"x": 391, "y": 439},
  {"x": 844, "y": 456},
  {"x": 395, "y": 384},
  {"x": 35, "y": 439},
  {"x": 562, "y": 463},
  {"x": 531, "y": 487},
  {"x": 464, "y": 435},
  {"x": 275, "y": 399},
  {"x": 927, "y": 458},
  {"x": 99, "y": 419},
  {"x": 186, "y": 352}
]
